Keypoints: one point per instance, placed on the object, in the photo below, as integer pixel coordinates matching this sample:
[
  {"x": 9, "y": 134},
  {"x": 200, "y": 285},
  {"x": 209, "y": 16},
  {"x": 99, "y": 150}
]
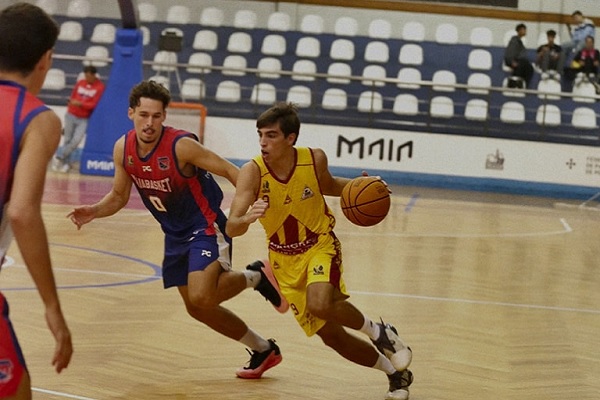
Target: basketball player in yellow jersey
[{"x": 283, "y": 188}]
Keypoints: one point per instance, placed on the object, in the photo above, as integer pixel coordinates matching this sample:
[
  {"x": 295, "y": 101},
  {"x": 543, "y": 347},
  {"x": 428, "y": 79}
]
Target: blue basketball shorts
[{"x": 181, "y": 258}]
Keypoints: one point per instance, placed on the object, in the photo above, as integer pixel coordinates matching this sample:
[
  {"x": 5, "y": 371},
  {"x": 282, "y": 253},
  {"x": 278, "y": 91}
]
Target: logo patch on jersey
[
  {"x": 318, "y": 270},
  {"x": 130, "y": 161},
  {"x": 206, "y": 253},
  {"x": 164, "y": 163},
  {"x": 146, "y": 168},
  {"x": 288, "y": 199},
  {"x": 307, "y": 193},
  {"x": 265, "y": 187},
  {"x": 6, "y": 370}
]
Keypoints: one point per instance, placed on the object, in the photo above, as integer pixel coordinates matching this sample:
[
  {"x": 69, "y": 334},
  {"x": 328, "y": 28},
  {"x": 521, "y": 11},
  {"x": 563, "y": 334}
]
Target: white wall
[{"x": 437, "y": 160}]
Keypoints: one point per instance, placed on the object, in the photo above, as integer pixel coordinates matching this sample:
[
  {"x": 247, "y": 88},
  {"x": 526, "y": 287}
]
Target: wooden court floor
[{"x": 498, "y": 295}]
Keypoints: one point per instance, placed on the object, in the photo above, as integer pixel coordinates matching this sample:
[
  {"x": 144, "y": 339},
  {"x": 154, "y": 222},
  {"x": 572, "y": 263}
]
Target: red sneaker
[
  {"x": 268, "y": 285},
  {"x": 260, "y": 362}
]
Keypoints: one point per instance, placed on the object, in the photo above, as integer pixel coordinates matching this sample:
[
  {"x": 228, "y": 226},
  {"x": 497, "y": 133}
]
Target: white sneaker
[
  {"x": 55, "y": 164},
  {"x": 391, "y": 346},
  {"x": 399, "y": 383},
  {"x": 64, "y": 168}
]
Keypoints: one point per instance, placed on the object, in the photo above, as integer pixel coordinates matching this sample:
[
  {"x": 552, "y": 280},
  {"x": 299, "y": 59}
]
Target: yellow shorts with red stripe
[{"x": 294, "y": 272}]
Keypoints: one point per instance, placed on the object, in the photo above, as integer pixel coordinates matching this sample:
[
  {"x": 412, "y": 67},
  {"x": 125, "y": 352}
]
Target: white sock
[
  {"x": 385, "y": 365},
  {"x": 252, "y": 278},
  {"x": 370, "y": 329},
  {"x": 254, "y": 341}
]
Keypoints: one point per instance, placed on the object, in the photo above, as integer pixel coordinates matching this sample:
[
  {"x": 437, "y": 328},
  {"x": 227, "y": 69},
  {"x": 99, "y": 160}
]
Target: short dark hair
[
  {"x": 150, "y": 90},
  {"x": 90, "y": 68},
  {"x": 26, "y": 33},
  {"x": 520, "y": 26},
  {"x": 286, "y": 114},
  {"x": 577, "y": 12},
  {"x": 551, "y": 32}
]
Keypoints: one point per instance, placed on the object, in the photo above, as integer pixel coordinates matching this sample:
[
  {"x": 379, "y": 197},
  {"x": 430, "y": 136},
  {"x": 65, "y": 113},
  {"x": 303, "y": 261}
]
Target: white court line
[
  {"x": 61, "y": 394},
  {"x": 96, "y": 272},
  {"x": 566, "y": 225},
  {"x": 481, "y": 302},
  {"x": 566, "y": 229}
]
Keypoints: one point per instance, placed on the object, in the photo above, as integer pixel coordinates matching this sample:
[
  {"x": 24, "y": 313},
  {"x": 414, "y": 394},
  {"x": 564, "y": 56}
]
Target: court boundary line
[
  {"x": 61, "y": 394},
  {"x": 566, "y": 229},
  {"x": 479, "y": 302}
]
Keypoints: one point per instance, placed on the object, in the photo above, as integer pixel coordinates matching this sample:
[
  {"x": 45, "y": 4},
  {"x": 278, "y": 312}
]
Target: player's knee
[
  {"x": 203, "y": 301},
  {"x": 320, "y": 310}
]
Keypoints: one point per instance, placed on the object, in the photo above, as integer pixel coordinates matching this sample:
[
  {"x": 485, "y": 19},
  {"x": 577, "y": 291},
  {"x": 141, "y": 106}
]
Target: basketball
[{"x": 365, "y": 201}]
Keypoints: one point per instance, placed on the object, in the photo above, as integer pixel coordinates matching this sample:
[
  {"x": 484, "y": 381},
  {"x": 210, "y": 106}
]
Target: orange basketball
[{"x": 365, "y": 201}]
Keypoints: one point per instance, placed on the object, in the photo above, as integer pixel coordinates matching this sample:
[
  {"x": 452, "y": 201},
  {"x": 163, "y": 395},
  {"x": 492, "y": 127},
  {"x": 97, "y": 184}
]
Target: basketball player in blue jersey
[
  {"x": 283, "y": 188},
  {"x": 29, "y": 135},
  {"x": 172, "y": 172}
]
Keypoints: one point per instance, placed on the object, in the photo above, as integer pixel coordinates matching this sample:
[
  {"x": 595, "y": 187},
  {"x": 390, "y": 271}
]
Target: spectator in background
[
  {"x": 548, "y": 54},
  {"x": 583, "y": 27},
  {"x": 515, "y": 56},
  {"x": 586, "y": 64},
  {"x": 587, "y": 60},
  {"x": 84, "y": 98}
]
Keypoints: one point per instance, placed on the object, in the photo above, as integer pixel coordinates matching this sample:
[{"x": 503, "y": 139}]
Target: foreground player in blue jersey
[
  {"x": 172, "y": 172},
  {"x": 29, "y": 135}
]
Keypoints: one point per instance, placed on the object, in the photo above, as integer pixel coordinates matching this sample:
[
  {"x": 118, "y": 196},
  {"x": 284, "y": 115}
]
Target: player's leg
[
  {"x": 208, "y": 282},
  {"x": 212, "y": 285},
  {"x": 265, "y": 354},
  {"x": 216, "y": 317},
  {"x": 326, "y": 298},
  {"x": 211, "y": 279},
  {"x": 347, "y": 345},
  {"x": 363, "y": 353}
]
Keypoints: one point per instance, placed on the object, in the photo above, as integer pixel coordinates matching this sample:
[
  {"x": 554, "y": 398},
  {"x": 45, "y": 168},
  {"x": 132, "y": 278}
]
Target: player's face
[
  {"x": 273, "y": 144},
  {"x": 147, "y": 119}
]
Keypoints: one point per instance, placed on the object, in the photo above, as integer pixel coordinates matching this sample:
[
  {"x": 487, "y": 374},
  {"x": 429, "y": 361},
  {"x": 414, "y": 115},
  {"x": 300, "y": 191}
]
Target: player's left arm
[
  {"x": 330, "y": 185},
  {"x": 37, "y": 146},
  {"x": 189, "y": 151}
]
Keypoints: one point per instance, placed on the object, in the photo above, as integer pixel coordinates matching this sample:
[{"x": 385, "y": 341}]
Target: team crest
[
  {"x": 164, "y": 163},
  {"x": 6, "y": 371},
  {"x": 130, "y": 161},
  {"x": 307, "y": 193},
  {"x": 265, "y": 187}
]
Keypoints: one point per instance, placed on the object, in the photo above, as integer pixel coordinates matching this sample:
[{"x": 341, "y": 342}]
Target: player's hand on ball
[{"x": 365, "y": 173}]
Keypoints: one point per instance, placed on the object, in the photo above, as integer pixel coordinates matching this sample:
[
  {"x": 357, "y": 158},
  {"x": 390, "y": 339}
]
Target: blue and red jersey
[
  {"x": 19, "y": 107},
  {"x": 185, "y": 206}
]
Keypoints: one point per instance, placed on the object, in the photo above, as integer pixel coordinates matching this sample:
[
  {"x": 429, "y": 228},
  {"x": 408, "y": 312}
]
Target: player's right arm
[
  {"x": 244, "y": 209},
  {"x": 114, "y": 200},
  {"x": 37, "y": 146}
]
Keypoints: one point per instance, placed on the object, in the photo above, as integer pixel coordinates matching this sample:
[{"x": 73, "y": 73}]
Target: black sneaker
[
  {"x": 261, "y": 362},
  {"x": 268, "y": 285},
  {"x": 399, "y": 383},
  {"x": 391, "y": 346}
]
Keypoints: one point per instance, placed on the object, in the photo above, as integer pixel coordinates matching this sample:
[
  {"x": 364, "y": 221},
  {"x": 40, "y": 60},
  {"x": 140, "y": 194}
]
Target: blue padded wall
[{"x": 109, "y": 120}]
